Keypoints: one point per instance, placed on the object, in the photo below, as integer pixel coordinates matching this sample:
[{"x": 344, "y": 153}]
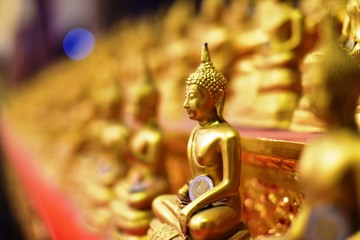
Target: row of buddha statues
[
  {"x": 120, "y": 184},
  {"x": 209, "y": 205},
  {"x": 260, "y": 46},
  {"x": 117, "y": 174}
]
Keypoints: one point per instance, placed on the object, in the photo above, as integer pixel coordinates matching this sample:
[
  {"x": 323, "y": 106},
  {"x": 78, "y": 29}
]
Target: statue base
[
  {"x": 131, "y": 221},
  {"x": 162, "y": 231},
  {"x": 124, "y": 236}
]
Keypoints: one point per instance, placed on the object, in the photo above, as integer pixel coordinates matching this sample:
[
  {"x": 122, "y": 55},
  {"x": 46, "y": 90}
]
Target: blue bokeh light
[{"x": 78, "y": 43}]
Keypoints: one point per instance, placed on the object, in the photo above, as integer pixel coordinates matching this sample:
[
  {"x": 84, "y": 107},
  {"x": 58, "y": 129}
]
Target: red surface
[
  {"x": 53, "y": 206},
  {"x": 276, "y": 134}
]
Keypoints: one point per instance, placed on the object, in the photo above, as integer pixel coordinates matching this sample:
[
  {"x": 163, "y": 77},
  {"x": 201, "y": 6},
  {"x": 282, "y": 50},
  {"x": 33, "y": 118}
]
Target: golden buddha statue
[
  {"x": 102, "y": 160},
  {"x": 209, "y": 206},
  {"x": 351, "y": 36},
  {"x": 107, "y": 131},
  {"x": 146, "y": 178},
  {"x": 351, "y": 26},
  {"x": 266, "y": 84},
  {"x": 304, "y": 119},
  {"x": 330, "y": 166}
]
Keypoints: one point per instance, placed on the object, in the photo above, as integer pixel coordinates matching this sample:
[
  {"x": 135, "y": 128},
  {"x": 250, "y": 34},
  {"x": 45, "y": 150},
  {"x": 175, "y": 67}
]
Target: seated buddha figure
[
  {"x": 209, "y": 205},
  {"x": 102, "y": 160},
  {"x": 146, "y": 178},
  {"x": 351, "y": 35},
  {"x": 351, "y": 26},
  {"x": 330, "y": 166},
  {"x": 304, "y": 119},
  {"x": 266, "y": 82}
]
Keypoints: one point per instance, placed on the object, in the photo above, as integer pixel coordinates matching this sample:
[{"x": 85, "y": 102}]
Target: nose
[{"x": 186, "y": 103}]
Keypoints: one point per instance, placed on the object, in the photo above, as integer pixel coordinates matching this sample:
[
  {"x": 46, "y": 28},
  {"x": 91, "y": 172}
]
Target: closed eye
[{"x": 192, "y": 95}]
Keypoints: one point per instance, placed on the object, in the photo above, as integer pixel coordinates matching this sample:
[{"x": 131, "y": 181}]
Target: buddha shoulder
[
  {"x": 340, "y": 149},
  {"x": 226, "y": 132},
  {"x": 150, "y": 134}
]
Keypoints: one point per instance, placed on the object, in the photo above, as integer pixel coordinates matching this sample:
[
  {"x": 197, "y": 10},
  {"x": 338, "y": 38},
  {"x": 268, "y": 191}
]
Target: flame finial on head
[
  {"x": 205, "y": 55},
  {"x": 147, "y": 80}
]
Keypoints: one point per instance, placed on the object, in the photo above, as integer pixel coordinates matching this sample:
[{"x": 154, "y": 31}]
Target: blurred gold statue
[
  {"x": 351, "y": 27},
  {"x": 266, "y": 85},
  {"x": 351, "y": 36},
  {"x": 304, "y": 119},
  {"x": 146, "y": 177},
  {"x": 330, "y": 166},
  {"x": 108, "y": 132},
  {"x": 209, "y": 206},
  {"x": 102, "y": 160},
  {"x": 316, "y": 12}
]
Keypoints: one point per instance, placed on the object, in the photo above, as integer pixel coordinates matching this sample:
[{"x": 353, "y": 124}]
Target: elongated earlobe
[{"x": 220, "y": 103}]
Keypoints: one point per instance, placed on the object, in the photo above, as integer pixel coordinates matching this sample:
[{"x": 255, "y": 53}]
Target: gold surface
[
  {"x": 350, "y": 36},
  {"x": 214, "y": 151},
  {"x": 266, "y": 81},
  {"x": 146, "y": 177},
  {"x": 329, "y": 166},
  {"x": 60, "y": 127}
]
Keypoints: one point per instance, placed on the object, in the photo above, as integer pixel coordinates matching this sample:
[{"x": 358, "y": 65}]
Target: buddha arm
[
  {"x": 189, "y": 151},
  {"x": 230, "y": 152},
  {"x": 183, "y": 193},
  {"x": 298, "y": 226},
  {"x": 305, "y": 167}
]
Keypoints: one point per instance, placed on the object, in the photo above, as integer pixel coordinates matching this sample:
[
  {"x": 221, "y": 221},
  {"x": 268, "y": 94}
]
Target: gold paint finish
[
  {"x": 146, "y": 177},
  {"x": 214, "y": 151},
  {"x": 329, "y": 166}
]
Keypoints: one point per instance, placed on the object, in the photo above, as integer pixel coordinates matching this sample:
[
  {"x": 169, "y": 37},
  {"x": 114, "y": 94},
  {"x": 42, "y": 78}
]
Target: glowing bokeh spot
[{"x": 78, "y": 43}]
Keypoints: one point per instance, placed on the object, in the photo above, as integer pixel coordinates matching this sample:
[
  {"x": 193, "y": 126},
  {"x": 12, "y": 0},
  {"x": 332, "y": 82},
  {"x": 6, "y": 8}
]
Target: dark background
[
  {"x": 9, "y": 225},
  {"x": 37, "y": 43}
]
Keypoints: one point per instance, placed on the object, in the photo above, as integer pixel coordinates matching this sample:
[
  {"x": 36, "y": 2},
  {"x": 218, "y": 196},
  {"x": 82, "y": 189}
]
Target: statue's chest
[
  {"x": 205, "y": 149},
  {"x": 139, "y": 143}
]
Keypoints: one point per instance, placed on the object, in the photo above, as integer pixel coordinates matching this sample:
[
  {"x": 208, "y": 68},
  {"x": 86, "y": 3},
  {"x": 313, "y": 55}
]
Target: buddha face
[
  {"x": 198, "y": 103},
  {"x": 139, "y": 111},
  {"x": 144, "y": 106}
]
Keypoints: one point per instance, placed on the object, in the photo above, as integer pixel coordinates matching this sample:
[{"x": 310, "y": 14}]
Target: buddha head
[
  {"x": 109, "y": 100},
  {"x": 146, "y": 99},
  {"x": 206, "y": 89},
  {"x": 335, "y": 86}
]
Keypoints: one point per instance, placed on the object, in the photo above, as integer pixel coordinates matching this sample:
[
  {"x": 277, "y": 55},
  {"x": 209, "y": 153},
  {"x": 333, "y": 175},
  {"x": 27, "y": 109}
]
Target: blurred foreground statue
[
  {"x": 330, "y": 166},
  {"x": 146, "y": 178},
  {"x": 208, "y": 206},
  {"x": 351, "y": 36}
]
